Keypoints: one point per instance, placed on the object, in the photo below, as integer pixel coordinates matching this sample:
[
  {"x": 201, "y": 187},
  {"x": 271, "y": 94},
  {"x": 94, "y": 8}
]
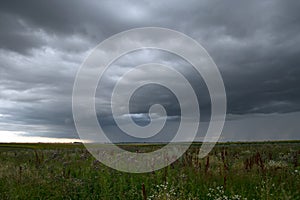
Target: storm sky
[{"x": 255, "y": 44}]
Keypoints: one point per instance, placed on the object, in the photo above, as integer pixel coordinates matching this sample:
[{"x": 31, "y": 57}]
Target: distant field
[{"x": 258, "y": 170}]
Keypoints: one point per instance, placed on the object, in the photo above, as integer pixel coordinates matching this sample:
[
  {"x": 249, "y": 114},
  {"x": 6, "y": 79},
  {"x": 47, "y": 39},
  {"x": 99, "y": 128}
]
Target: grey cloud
[
  {"x": 255, "y": 44},
  {"x": 16, "y": 36}
]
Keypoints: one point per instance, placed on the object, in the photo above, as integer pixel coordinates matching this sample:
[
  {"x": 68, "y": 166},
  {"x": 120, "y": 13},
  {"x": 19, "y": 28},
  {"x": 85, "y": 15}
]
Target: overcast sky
[{"x": 255, "y": 44}]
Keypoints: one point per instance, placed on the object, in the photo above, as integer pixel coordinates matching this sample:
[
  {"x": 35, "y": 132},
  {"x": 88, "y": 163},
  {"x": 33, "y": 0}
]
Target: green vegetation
[{"x": 231, "y": 171}]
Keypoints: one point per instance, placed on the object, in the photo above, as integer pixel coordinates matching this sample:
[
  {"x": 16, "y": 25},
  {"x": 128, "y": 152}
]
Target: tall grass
[{"x": 230, "y": 171}]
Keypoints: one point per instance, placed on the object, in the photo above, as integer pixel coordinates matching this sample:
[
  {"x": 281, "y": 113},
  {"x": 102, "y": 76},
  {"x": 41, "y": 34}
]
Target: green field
[{"x": 268, "y": 170}]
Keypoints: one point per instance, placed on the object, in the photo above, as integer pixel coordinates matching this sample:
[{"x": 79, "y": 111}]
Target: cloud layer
[{"x": 255, "y": 44}]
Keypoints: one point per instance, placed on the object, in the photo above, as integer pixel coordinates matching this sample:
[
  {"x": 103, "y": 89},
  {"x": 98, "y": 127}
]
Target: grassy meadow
[{"x": 266, "y": 170}]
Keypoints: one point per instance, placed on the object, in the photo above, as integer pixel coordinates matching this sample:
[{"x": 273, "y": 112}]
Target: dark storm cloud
[
  {"x": 15, "y": 35},
  {"x": 92, "y": 20},
  {"x": 254, "y": 43}
]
